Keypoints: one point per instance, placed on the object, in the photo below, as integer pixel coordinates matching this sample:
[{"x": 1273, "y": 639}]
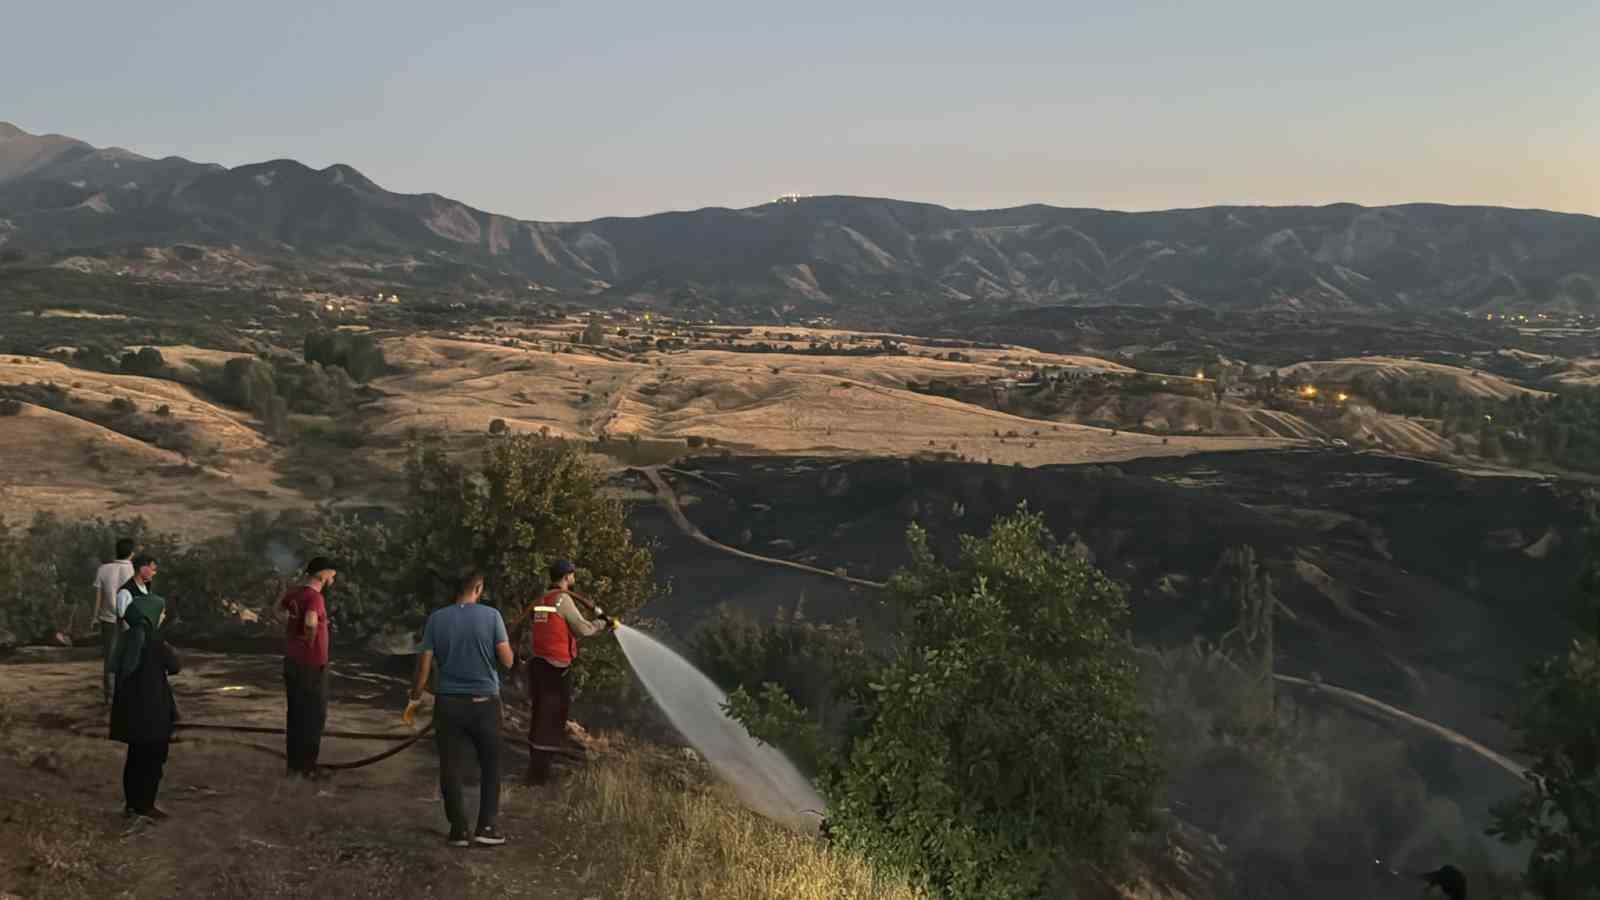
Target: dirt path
[
  {"x": 669, "y": 502},
  {"x": 602, "y": 423},
  {"x": 1454, "y": 737},
  {"x": 238, "y": 827}
]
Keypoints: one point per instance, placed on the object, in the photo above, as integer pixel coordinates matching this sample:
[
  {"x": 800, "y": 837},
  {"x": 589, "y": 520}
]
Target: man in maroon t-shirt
[{"x": 305, "y": 667}]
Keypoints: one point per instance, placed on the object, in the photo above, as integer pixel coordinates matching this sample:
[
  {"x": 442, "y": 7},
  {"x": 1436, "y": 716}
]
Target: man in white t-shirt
[{"x": 107, "y": 581}]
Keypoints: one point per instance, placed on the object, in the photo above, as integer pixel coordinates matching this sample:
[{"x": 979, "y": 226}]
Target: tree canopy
[{"x": 1002, "y": 741}]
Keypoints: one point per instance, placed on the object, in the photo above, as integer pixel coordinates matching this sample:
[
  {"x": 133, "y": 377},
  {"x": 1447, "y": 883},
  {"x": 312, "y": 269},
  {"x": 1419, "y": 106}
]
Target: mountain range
[{"x": 62, "y": 196}]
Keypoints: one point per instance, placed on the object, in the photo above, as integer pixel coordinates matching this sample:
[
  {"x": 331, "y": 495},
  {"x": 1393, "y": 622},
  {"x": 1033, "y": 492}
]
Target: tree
[
  {"x": 148, "y": 361},
  {"x": 1003, "y": 741},
  {"x": 1558, "y": 721},
  {"x": 530, "y": 503},
  {"x": 1252, "y": 591},
  {"x": 358, "y": 354}
]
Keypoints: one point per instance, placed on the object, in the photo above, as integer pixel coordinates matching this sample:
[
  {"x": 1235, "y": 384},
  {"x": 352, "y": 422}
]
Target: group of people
[{"x": 464, "y": 647}]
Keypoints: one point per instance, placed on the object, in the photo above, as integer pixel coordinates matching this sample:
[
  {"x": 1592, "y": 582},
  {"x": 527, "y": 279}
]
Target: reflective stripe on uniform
[{"x": 545, "y": 609}]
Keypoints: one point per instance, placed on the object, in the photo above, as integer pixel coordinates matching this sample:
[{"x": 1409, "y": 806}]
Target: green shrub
[
  {"x": 357, "y": 354},
  {"x": 147, "y": 361},
  {"x": 1558, "y": 722},
  {"x": 1004, "y": 741}
]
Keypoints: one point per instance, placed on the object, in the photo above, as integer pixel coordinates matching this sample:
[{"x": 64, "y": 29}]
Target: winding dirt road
[{"x": 669, "y": 502}]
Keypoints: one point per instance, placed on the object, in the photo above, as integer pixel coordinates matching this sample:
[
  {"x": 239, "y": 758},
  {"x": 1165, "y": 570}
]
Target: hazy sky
[{"x": 584, "y": 109}]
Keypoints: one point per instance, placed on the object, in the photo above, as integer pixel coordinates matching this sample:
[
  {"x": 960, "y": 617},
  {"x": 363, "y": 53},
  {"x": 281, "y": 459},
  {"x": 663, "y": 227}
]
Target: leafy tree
[
  {"x": 252, "y": 384},
  {"x": 1559, "y": 723},
  {"x": 246, "y": 382},
  {"x": 816, "y": 665},
  {"x": 530, "y": 503},
  {"x": 371, "y": 594},
  {"x": 358, "y": 354},
  {"x": 1003, "y": 742},
  {"x": 147, "y": 361}
]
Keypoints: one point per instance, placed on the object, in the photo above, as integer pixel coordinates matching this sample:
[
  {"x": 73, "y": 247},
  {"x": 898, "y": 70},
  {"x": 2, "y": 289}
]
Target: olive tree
[{"x": 1002, "y": 741}]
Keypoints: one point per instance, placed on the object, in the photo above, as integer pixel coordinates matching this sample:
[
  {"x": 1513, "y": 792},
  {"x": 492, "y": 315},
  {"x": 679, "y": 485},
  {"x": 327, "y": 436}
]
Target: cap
[
  {"x": 142, "y": 560},
  {"x": 560, "y": 568},
  {"x": 319, "y": 563}
]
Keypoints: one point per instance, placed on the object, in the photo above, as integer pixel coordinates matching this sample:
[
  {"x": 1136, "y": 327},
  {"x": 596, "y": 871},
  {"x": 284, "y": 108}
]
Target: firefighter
[{"x": 557, "y": 624}]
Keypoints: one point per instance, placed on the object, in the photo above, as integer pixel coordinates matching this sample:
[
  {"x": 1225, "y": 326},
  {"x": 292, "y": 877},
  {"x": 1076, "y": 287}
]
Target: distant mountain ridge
[{"x": 58, "y": 194}]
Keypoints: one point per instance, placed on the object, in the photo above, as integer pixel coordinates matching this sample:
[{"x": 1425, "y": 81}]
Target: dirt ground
[{"x": 239, "y": 828}]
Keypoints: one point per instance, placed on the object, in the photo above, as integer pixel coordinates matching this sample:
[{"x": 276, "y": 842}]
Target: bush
[
  {"x": 817, "y": 665},
  {"x": 498, "y": 426},
  {"x": 531, "y": 502},
  {"x": 357, "y": 354},
  {"x": 147, "y": 361},
  {"x": 10, "y": 406},
  {"x": 45, "y": 566},
  {"x": 1558, "y": 721},
  {"x": 1004, "y": 741}
]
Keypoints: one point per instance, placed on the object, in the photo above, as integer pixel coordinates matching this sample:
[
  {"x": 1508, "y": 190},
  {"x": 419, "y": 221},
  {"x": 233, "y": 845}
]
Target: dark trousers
[
  {"x": 549, "y": 703},
  {"x": 457, "y": 721},
  {"x": 108, "y": 646},
  {"x": 141, "y": 774},
  {"x": 306, "y": 688}
]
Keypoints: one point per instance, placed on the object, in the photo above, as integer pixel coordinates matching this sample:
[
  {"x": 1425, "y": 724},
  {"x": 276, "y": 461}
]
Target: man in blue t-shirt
[{"x": 467, "y": 639}]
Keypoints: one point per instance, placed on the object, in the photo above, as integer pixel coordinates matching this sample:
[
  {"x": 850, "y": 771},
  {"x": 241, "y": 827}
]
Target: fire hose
[{"x": 405, "y": 741}]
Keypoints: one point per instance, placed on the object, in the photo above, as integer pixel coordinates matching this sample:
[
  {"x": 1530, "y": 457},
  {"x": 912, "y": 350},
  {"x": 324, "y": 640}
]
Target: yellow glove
[
  {"x": 615, "y": 623},
  {"x": 410, "y": 715}
]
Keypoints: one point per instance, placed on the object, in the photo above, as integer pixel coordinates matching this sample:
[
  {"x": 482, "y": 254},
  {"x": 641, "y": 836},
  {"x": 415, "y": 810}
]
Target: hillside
[
  {"x": 819, "y": 254},
  {"x": 119, "y": 446}
]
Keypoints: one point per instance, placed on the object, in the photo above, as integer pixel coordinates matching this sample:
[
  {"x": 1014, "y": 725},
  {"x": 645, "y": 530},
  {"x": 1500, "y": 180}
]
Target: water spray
[
  {"x": 764, "y": 778},
  {"x": 760, "y": 774}
]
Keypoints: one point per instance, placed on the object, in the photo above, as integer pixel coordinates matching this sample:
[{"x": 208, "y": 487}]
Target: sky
[{"x": 570, "y": 111}]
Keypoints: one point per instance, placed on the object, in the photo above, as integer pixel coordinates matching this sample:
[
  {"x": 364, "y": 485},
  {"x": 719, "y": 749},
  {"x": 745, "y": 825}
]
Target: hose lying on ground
[{"x": 406, "y": 740}]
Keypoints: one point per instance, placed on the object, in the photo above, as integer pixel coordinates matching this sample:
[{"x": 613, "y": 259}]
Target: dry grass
[
  {"x": 63, "y": 852},
  {"x": 678, "y": 837}
]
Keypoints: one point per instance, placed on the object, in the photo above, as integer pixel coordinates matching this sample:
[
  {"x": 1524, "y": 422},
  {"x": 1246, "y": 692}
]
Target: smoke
[
  {"x": 281, "y": 557},
  {"x": 762, "y": 776}
]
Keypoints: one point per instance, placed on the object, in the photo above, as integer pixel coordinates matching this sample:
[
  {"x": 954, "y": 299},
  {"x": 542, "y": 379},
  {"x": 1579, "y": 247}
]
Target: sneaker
[
  {"x": 154, "y": 813},
  {"x": 458, "y": 838},
  {"x": 489, "y": 836}
]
